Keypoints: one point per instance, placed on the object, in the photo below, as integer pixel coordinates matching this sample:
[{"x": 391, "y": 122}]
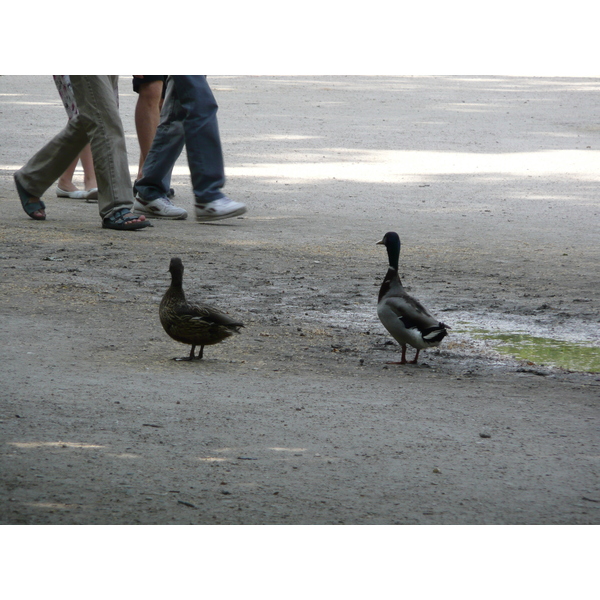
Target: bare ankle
[{"x": 67, "y": 186}]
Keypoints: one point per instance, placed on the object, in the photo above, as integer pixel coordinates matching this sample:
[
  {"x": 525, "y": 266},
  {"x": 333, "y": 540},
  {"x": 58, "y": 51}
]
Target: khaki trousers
[{"x": 99, "y": 123}]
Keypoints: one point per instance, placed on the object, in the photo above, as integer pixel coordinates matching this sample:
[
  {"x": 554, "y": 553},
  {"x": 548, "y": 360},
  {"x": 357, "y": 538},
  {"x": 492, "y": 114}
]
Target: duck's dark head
[
  {"x": 176, "y": 270},
  {"x": 391, "y": 240}
]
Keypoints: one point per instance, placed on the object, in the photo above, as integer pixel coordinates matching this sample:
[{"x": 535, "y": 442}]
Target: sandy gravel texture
[{"x": 491, "y": 183}]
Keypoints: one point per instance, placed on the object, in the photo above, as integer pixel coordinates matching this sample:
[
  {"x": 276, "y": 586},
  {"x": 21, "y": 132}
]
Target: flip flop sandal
[
  {"x": 120, "y": 221},
  {"x": 29, "y": 207}
]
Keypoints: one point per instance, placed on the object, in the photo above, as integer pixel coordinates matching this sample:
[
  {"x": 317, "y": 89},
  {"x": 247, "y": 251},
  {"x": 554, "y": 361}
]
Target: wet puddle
[
  {"x": 574, "y": 346},
  {"x": 573, "y": 356}
]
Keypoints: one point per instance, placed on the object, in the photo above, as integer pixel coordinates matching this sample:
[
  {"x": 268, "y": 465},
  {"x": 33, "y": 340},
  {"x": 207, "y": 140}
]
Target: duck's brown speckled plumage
[{"x": 196, "y": 324}]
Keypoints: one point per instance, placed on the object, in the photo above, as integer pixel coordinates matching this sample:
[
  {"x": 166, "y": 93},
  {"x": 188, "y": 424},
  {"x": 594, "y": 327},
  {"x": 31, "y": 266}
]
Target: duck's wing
[
  {"x": 410, "y": 311},
  {"x": 207, "y": 314}
]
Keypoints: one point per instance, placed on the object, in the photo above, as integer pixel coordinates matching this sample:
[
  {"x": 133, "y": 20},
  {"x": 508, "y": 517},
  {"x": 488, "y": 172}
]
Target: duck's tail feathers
[{"x": 434, "y": 334}]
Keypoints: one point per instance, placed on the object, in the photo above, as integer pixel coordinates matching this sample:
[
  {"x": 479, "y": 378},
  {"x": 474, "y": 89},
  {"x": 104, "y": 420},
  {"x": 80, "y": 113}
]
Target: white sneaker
[
  {"x": 223, "y": 208},
  {"x": 161, "y": 207}
]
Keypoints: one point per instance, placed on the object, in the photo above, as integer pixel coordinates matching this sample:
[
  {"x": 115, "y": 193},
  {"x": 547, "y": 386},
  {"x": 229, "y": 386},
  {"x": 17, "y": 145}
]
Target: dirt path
[{"x": 492, "y": 185}]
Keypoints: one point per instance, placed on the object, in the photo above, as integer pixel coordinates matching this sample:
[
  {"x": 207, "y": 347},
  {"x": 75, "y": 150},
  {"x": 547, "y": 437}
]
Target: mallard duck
[
  {"x": 192, "y": 323},
  {"x": 402, "y": 315}
]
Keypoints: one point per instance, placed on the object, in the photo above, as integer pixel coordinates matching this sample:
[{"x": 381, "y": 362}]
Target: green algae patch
[{"x": 573, "y": 356}]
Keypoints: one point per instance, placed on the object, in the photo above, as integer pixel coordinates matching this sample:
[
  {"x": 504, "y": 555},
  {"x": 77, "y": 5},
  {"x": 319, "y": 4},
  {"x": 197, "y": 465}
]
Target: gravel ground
[{"x": 492, "y": 185}]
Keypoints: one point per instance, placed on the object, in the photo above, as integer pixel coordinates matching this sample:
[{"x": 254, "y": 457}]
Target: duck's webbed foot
[
  {"x": 192, "y": 355},
  {"x": 402, "y": 360},
  {"x": 414, "y": 360}
]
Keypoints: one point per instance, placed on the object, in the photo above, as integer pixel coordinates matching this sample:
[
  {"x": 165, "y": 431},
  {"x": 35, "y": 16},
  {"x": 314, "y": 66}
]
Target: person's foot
[
  {"x": 87, "y": 195},
  {"x": 170, "y": 194},
  {"x": 32, "y": 205},
  {"x": 91, "y": 194},
  {"x": 223, "y": 208},
  {"x": 124, "y": 220},
  {"x": 66, "y": 186},
  {"x": 161, "y": 207}
]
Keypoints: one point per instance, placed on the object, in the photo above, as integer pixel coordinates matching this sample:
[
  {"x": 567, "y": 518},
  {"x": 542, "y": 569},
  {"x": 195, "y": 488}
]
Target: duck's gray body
[{"x": 406, "y": 319}]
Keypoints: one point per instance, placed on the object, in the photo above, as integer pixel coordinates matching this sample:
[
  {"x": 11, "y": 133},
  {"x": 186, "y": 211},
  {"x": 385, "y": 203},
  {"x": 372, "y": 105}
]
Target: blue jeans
[{"x": 188, "y": 117}]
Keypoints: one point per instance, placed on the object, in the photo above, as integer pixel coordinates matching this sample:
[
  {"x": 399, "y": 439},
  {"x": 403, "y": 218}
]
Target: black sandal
[
  {"x": 123, "y": 220},
  {"x": 26, "y": 202}
]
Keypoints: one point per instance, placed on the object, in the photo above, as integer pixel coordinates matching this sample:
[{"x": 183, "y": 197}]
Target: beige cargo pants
[{"x": 99, "y": 123}]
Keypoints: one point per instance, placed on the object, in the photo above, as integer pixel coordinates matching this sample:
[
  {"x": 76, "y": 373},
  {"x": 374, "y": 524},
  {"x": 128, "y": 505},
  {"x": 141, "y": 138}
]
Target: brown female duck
[{"x": 192, "y": 323}]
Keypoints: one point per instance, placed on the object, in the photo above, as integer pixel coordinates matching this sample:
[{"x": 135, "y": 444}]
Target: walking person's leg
[
  {"x": 147, "y": 113},
  {"x": 65, "y": 187},
  {"x": 99, "y": 112},
  {"x": 47, "y": 165},
  {"x": 202, "y": 140},
  {"x": 153, "y": 188},
  {"x": 203, "y": 146},
  {"x": 98, "y": 121}
]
